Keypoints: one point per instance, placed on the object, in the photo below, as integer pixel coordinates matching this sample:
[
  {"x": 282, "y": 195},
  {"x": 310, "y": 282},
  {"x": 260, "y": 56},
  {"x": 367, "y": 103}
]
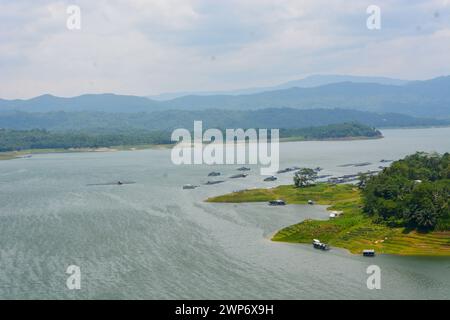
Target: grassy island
[{"x": 353, "y": 230}]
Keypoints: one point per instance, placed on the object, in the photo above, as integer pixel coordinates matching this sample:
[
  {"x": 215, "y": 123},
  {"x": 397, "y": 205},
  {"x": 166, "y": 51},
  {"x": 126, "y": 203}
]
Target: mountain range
[
  {"x": 429, "y": 98},
  {"x": 308, "y": 82}
]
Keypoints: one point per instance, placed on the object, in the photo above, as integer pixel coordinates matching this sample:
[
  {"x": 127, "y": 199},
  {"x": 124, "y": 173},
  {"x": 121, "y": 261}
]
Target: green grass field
[{"x": 353, "y": 230}]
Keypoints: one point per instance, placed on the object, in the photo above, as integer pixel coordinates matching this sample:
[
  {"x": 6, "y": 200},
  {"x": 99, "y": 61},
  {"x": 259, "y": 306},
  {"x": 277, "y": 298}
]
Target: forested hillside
[{"x": 413, "y": 192}]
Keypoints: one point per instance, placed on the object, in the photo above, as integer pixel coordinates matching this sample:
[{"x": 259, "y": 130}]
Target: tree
[
  {"x": 305, "y": 177},
  {"x": 425, "y": 218}
]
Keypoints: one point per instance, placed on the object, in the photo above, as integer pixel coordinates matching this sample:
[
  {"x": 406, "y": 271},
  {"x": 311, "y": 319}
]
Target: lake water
[{"x": 153, "y": 240}]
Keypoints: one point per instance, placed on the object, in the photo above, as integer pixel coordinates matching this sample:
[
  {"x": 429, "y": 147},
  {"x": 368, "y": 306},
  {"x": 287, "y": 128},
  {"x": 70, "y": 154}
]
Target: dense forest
[
  {"x": 413, "y": 192},
  {"x": 15, "y": 140}
]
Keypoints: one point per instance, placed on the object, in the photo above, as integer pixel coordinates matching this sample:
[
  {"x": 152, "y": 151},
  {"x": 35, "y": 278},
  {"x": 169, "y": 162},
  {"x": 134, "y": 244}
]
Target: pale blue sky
[{"x": 146, "y": 47}]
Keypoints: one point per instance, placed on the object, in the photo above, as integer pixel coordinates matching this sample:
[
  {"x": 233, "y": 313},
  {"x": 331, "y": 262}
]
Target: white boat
[
  {"x": 335, "y": 214},
  {"x": 319, "y": 245}
]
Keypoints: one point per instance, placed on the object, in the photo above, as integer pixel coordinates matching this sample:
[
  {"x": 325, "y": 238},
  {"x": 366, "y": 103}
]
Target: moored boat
[
  {"x": 369, "y": 253},
  {"x": 214, "y": 182},
  {"x": 189, "y": 186},
  {"x": 319, "y": 245},
  {"x": 277, "y": 203},
  {"x": 240, "y": 175}
]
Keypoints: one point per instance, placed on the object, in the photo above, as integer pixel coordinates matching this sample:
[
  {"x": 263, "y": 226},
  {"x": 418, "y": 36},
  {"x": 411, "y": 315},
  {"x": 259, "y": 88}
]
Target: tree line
[
  {"x": 332, "y": 131},
  {"x": 413, "y": 192},
  {"x": 16, "y": 140}
]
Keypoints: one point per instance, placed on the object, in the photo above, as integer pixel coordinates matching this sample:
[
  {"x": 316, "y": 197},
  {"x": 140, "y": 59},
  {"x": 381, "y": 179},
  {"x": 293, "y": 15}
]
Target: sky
[{"x": 147, "y": 47}]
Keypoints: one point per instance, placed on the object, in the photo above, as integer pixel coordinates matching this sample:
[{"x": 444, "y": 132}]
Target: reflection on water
[{"x": 154, "y": 240}]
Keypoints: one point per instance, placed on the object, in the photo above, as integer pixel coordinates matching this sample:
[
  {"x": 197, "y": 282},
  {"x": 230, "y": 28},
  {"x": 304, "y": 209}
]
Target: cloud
[{"x": 144, "y": 47}]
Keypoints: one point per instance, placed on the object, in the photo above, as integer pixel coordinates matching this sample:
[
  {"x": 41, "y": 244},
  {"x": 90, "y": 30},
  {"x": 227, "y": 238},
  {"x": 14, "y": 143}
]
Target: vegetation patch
[
  {"x": 353, "y": 230},
  {"x": 413, "y": 192}
]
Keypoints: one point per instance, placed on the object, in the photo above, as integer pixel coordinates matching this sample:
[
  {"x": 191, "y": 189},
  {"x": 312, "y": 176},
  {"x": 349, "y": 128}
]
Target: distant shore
[
  {"x": 352, "y": 230},
  {"x": 293, "y": 139},
  {"x": 9, "y": 155}
]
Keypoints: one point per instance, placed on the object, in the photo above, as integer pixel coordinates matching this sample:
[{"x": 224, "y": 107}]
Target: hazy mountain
[
  {"x": 430, "y": 99},
  {"x": 87, "y": 102},
  {"x": 308, "y": 82}
]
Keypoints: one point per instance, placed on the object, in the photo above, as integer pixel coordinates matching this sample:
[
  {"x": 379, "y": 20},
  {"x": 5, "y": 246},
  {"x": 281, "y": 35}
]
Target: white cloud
[{"x": 144, "y": 47}]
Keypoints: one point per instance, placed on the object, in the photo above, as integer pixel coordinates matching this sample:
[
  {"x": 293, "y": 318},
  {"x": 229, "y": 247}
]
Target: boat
[
  {"x": 277, "y": 203},
  {"x": 213, "y": 174},
  {"x": 346, "y": 165},
  {"x": 271, "y": 178},
  {"x": 116, "y": 183},
  {"x": 243, "y": 169},
  {"x": 335, "y": 214},
  {"x": 351, "y": 177},
  {"x": 323, "y": 176},
  {"x": 369, "y": 253},
  {"x": 214, "y": 182},
  {"x": 189, "y": 186},
  {"x": 240, "y": 175},
  {"x": 319, "y": 245},
  {"x": 288, "y": 169},
  {"x": 310, "y": 202},
  {"x": 362, "y": 164}
]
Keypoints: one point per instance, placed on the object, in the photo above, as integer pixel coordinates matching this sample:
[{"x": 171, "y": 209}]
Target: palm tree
[{"x": 425, "y": 218}]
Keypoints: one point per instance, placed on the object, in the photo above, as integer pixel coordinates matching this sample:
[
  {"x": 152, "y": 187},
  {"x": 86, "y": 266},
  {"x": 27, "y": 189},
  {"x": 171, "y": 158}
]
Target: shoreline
[
  {"x": 353, "y": 231},
  {"x": 11, "y": 155}
]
